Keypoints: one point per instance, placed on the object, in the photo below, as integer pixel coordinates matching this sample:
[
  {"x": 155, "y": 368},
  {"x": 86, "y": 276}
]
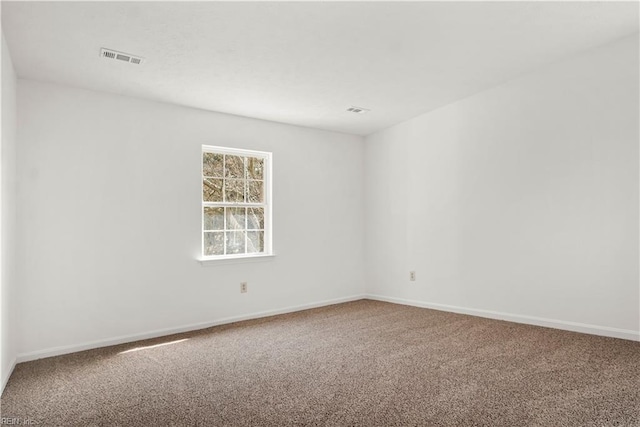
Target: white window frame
[{"x": 266, "y": 205}]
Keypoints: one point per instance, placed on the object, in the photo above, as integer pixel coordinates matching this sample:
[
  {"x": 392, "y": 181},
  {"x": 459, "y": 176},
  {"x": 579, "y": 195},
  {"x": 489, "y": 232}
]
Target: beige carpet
[{"x": 364, "y": 363}]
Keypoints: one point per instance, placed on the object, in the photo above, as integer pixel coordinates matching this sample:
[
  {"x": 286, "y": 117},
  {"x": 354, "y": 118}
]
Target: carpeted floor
[{"x": 364, "y": 363}]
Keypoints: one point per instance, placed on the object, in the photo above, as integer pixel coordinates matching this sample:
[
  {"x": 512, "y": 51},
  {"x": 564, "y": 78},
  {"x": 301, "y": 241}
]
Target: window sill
[{"x": 206, "y": 262}]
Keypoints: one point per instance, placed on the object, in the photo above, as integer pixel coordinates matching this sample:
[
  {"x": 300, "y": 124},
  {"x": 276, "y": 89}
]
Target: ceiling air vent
[
  {"x": 358, "y": 110},
  {"x": 120, "y": 56}
]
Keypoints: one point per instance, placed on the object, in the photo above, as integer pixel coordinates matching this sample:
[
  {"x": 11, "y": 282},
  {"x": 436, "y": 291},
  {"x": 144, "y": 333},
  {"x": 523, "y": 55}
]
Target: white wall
[
  {"x": 521, "y": 201},
  {"x": 110, "y": 218},
  {"x": 8, "y": 281}
]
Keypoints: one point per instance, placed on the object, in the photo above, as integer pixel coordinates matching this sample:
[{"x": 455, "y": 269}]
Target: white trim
[
  {"x": 236, "y": 259},
  {"x": 57, "y": 351},
  {"x": 5, "y": 380},
  {"x": 234, "y": 151},
  {"x": 606, "y": 331},
  {"x": 530, "y": 320}
]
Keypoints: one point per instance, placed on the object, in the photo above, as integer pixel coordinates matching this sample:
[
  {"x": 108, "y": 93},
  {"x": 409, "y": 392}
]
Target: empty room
[{"x": 320, "y": 213}]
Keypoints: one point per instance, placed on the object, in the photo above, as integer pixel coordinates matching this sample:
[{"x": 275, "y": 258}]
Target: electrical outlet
[
  {"x": 412, "y": 276},
  {"x": 243, "y": 287}
]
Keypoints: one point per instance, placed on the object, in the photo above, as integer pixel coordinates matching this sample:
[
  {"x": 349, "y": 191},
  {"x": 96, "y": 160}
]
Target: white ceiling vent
[
  {"x": 120, "y": 56},
  {"x": 358, "y": 110}
]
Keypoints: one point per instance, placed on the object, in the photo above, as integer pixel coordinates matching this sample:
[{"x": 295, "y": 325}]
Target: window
[{"x": 236, "y": 203}]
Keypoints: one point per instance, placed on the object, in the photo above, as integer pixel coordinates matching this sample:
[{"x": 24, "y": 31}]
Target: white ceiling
[{"x": 305, "y": 63}]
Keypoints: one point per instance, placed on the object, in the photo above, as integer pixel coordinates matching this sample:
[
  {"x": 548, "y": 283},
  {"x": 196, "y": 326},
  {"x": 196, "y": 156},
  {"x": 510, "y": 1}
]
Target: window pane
[
  {"x": 235, "y": 242},
  {"x": 235, "y": 218},
  {"x": 234, "y": 166},
  {"x": 255, "y": 167},
  {"x": 213, "y": 243},
  {"x": 212, "y": 164},
  {"x": 212, "y": 190},
  {"x": 256, "y": 191},
  {"x": 255, "y": 218},
  {"x": 230, "y": 183},
  {"x": 213, "y": 218},
  {"x": 234, "y": 190},
  {"x": 255, "y": 241}
]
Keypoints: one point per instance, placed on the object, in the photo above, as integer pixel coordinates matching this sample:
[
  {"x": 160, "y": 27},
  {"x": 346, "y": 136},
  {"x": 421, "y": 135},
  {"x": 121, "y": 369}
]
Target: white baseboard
[
  {"x": 5, "y": 378},
  {"x": 606, "y": 331},
  {"x": 517, "y": 318},
  {"x": 57, "y": 351}
]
